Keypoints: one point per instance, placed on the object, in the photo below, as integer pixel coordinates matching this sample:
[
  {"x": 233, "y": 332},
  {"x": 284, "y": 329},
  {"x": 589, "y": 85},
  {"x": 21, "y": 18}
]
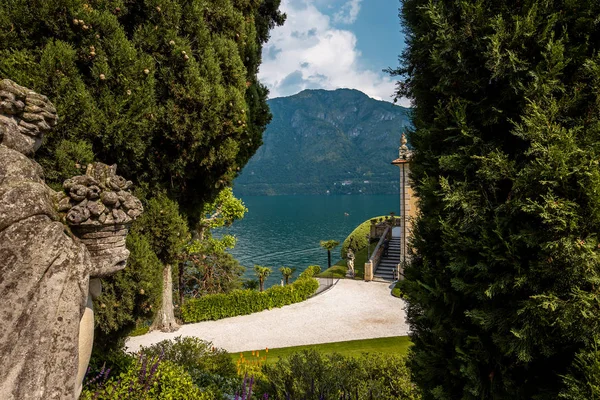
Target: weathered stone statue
[
  {"x": 350, "y": 262},
  {"x": 45, "y": 269}
]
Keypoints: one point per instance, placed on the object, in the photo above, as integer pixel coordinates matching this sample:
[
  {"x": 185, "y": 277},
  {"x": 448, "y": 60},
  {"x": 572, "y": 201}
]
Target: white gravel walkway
[{"x": 349, "y": 310}]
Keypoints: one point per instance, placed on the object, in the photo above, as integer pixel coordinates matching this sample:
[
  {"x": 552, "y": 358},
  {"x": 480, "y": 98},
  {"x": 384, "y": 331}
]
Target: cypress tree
[
  {"x": 165, "y": 89},
  {"x": 503, "y": 289}
]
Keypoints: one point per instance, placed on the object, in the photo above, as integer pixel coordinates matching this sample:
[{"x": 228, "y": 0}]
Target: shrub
[
  {"x": 503, "y": 285},
  {"x": 357, "y": 240},
  {"x": 147, "y": 378},
  {"x": 243, "y": 302},
  {"x": 208, "y": 367},
  {"x": 583, "y": 381},
  {"x": 310, "y": 271},
  {"x": 397, "y": 290},
  {"x": 312, "y": 375}
]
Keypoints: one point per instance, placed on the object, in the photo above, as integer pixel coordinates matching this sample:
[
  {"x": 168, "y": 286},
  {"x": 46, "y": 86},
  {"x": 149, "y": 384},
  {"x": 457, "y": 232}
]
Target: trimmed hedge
[
  {"x": 358, "y": 237},
  {"x": 243, "y": 302}
]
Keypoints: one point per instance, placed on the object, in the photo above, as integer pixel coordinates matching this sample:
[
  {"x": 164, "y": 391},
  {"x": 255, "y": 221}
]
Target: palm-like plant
[
  {"x": 262, "y": 273},
  {"x": 329, "y": 245},
  {"x": 286, "y": 272}
]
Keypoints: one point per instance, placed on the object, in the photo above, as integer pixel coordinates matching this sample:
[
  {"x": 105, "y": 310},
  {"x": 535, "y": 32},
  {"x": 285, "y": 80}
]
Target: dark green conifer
[
  {"x": 165, "y": 89},
  {"x": 503, "y": 290}
]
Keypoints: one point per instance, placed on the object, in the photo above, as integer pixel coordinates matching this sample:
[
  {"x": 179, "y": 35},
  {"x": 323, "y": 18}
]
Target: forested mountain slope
[{"x": 339, "y": 141}]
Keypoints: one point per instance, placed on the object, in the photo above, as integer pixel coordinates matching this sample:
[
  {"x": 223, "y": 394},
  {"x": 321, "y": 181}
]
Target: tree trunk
[
  {"x": 261, "y": 283},
  {"x": 165, "y": 318},
  {"x": 180, "y": 283},
  {"x": 328, "y": 259}
]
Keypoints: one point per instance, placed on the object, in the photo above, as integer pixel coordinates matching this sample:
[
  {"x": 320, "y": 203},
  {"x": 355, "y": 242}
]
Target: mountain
[{"x": 340, "y": 141}]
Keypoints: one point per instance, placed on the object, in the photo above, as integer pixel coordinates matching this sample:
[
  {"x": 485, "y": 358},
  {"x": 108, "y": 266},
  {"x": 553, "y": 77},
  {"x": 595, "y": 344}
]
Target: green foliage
[
  {"x": 222, "y": 211},
  {"x": 313, "y": 144},
  {"x": 148, "y": 378},
  {"x": 164, "y": 227},
  {"x": 208, "y": 269},
  {"x": 115, "y": 360},
  {"x": 397, "y": 291},
  {"x": 329, "y": 244},
  {"x": 310, "y": 271},
  {"x": 286, "y": 273},
  {"x": 262, "y": 273},
  {"x": 243, "y": 302},
  {"x": 68, "y": 157},
  {"x": 357, "y": 239},
  {"x": 167, "y": 90},
  {"x": 133, "y": 295},
  {"x": 177, "y": 113},
  {"x": 311, "y": 375},
  {"x": 140, "y": 329},
  {"x": 584, "y": 381},
  {"x": 502, "y": 290},
  {"x": 209, "y": 368},
  {"x": 129, "y": 295},
  {"x": 251, "y": 284}
]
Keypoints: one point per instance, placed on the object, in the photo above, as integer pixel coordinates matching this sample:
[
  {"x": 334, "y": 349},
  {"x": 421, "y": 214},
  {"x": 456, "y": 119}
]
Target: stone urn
[{"x": 99, "y": 208}]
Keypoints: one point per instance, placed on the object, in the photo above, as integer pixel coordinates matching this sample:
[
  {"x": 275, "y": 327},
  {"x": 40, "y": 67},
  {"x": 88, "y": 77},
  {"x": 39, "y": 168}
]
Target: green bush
[
  {"x": 397, "y": 290},
  {"x": 243, "y": 302},
  {"x": 310, "y": 271},
  {"x": 312, "y": 375},
  {"x": 166, "y": 89},
  {"x": 583, "y": 381},
  {"x": 209, "y": 367},
  {"x": 146, "y": 378},
  {"x": 358, "y": 238},
  {"x": 130, "y": 295}
]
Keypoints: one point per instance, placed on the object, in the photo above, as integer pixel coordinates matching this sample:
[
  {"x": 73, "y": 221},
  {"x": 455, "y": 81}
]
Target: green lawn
[
  {"x": 340, "y": 268},
  {"x": 396, "y": 345}
]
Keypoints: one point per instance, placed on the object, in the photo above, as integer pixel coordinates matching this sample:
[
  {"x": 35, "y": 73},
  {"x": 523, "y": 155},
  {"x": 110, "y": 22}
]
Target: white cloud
[
  {"x": 348, "y": 13},
  {"x": 309, "y": 53}
]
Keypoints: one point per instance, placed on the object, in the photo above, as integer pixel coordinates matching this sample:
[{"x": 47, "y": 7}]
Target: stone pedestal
[{"x": 369, "y": 271}]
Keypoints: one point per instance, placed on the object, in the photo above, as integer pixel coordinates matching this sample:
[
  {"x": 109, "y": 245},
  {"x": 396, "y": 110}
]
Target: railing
[
  {"x": 378, "y": 225},
  {"x": 325, "y": 282},
  {"x": 373, "y": 262}
]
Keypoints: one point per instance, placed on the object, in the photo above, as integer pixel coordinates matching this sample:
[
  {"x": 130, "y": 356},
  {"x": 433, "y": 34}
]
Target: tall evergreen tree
[
  {"x": 503, "y": 289},
  {"x": 167, "y": 89}
]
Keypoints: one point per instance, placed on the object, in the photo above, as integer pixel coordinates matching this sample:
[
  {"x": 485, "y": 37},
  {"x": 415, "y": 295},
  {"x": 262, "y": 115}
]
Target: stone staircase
[{"x": 389, "y": 262}]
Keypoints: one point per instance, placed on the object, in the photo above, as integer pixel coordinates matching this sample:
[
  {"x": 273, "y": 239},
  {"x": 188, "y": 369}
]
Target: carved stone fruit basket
[{"x": 99, "y": 208}]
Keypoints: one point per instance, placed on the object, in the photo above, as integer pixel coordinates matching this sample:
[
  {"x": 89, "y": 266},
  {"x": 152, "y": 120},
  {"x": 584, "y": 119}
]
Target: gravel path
[{"x": 349, "y": 310}]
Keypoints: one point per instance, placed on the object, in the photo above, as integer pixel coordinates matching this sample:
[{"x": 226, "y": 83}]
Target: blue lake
[{"x": 286, "y": 230}]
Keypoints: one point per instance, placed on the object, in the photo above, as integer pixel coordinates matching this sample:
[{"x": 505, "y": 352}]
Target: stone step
[
  {"x": 389, "y": 275},
  {"x": 384, "y": 272}
]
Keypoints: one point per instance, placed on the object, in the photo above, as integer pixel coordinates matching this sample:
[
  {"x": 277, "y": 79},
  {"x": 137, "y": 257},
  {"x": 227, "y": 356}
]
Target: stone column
[{"x": 369, "y": 271}]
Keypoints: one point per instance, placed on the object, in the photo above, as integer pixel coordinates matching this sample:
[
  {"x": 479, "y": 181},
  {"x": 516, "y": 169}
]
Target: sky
[{"x": 330, "y": 44}]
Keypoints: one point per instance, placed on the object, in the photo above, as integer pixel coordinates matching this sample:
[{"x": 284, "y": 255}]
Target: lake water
[{"x": 286, "y": 230}]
